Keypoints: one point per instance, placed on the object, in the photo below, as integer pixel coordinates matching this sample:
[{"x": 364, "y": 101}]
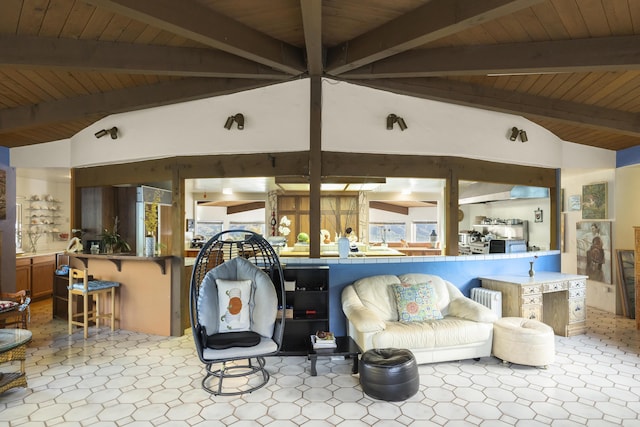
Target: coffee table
[
  {"x": 345, "y": 346},
  {"x": 13, "y": 346}
]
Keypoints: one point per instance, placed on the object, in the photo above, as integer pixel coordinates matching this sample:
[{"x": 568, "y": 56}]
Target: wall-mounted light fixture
[
  {"x": 103, "y": 132},
  {"x": 238, "y": 118},
  {"x": 515, "y": 132},
  {"x": 523, "y": 136},
  {"x": 392, "y": 118}
]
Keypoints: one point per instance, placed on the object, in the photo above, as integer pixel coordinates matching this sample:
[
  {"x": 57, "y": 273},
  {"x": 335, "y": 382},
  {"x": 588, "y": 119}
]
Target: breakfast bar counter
[{"x": 147, "y": 288}]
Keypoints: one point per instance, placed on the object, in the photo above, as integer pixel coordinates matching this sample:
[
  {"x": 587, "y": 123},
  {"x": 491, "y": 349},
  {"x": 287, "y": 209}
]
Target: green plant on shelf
[{"x": 112, "y": 241}]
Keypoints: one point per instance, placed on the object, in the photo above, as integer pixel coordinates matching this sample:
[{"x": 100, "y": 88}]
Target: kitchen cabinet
[
  {"x": 309, "y": 304},
  {"x": 23, "y": 274},
  {"x": 35, "y": 274}
]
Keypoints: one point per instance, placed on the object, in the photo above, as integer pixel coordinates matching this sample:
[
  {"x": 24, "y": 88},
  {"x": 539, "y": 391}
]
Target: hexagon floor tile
[{"x": 133, "y": 379}]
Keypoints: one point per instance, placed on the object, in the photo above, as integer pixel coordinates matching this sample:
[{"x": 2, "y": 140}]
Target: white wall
[
  {"x": 277, "y": 120},
  {"x": 515, "y": 209},
  {"x": 354, "y": 120},
  {"x": 28, "y": 187}
]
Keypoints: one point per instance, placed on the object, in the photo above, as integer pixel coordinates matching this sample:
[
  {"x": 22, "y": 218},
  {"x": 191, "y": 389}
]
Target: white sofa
[{"x": 465, "y": 331}]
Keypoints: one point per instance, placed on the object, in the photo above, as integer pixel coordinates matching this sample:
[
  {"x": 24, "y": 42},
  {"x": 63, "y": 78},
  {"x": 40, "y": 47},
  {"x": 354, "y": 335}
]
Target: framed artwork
[
  {"x": 537, "y": 215},
  {"x": 594, "y": 201},
  {"x": 593, "y": 247},
  {"x": 626, "y": 281},
  {"x": 574, "y": 202}
]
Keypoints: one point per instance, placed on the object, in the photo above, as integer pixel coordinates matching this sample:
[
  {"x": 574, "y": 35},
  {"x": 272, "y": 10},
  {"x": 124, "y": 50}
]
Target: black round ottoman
[{"x": 389, "y": 374}]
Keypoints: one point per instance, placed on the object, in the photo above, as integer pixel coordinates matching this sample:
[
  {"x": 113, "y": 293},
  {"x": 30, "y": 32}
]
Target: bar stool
[{"x": 80, "y": 285}]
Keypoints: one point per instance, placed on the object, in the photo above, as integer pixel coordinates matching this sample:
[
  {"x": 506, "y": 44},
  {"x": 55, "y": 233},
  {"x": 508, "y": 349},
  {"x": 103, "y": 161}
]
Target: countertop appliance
[{"x": 498, "y": 246}]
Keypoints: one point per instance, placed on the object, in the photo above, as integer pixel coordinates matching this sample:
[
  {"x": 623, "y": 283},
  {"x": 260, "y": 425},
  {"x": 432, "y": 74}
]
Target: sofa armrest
[
  {"x": 466, "y": 308},
  {"x": 363, "y": 319}
]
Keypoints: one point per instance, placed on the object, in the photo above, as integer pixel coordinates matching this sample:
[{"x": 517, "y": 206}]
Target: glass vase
[{"x": 531, "y": 270}]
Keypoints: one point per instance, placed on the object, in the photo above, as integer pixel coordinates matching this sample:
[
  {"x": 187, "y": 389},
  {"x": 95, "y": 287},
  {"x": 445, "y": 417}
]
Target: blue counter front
[{"x": 462, "y": 271}]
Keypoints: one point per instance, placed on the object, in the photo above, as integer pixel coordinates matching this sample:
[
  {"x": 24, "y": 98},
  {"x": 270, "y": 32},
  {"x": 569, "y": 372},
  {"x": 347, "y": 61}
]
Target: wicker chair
[
  {"x": 236, "y": 284},
  {"x": 14, "y": 309}
]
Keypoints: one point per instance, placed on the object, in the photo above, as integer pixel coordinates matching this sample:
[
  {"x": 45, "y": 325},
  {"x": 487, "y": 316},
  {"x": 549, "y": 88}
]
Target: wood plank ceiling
[{"x": 571, "y": 66}]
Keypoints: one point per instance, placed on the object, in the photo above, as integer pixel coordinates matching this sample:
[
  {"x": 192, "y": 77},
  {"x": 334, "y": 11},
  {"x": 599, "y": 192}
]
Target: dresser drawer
[
  {"x": 577, "y": 293},
  {"x": 577, "y": 312},
  {"x": 532, "y": 311},
  {"x": 533, "y": 289},
  {"x": 532, "y": 299},
  {"x": 555, "y": 286},
  {"x": 577, "y": 284}
]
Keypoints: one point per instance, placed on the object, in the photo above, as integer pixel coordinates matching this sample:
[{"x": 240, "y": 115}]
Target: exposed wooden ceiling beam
[
  {"x": 111, "y": 57},
  {"x": 195, "y": 21},
  {"x": 245, "y": 207},
  {"x": 312, "y": 25},
  {"x": 389, "y": 207},
  {"x": 584, "y": 55},
  {"x": 122, "y": 100},
  {"x": 512, "y": 102},
  {"x": 435, "y": 20}
]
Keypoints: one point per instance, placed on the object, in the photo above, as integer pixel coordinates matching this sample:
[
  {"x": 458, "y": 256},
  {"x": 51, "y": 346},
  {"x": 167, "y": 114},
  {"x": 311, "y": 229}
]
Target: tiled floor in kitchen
[{"x": 134, "y": 379}]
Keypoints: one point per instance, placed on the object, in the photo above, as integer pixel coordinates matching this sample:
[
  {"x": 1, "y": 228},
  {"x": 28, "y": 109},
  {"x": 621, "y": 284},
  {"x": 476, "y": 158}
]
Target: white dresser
[{"x": 556, "y": 299}]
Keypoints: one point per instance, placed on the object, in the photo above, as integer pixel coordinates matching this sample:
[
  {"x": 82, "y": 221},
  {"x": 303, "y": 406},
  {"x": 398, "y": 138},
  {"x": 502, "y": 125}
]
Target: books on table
[{"x": 326, "y": 341}]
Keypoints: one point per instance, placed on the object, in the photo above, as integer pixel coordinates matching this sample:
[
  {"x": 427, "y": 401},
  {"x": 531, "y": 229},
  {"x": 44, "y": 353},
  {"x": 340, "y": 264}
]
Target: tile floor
[{"x": 135, "y": 379}]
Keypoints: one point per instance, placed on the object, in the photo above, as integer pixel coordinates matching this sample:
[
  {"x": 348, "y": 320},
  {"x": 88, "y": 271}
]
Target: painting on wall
[
  {"x": 574, "y": 202},
  {"x": 594, "y": 201},
  {"x": 3, "y": 194},
  {"x": 594, "y": 250}
]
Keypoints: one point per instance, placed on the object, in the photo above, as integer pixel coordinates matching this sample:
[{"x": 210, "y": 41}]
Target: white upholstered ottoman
[{"x": 523, "y": 341}]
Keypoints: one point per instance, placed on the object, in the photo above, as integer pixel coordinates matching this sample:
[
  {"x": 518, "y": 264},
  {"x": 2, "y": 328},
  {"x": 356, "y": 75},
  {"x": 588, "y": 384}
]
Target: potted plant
[
  {"x": 151, "y": 225},
  {"x": 112, "y": 241}
]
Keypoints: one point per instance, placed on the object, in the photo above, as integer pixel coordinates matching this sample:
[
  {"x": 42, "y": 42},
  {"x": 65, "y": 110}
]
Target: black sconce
[
  {"x": 238, "y": 118},
  {"x": 113, "y": 132},
  {"x": 515, "y": 132},
  {"x": 392, "y": 118}
]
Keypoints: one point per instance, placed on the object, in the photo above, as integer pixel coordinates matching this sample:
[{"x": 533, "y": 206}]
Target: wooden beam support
[
  {"x": 389, "y": 207},
  {"x": 562, "y": 56},
  {"x": 530, "y": 106},
  {"x": 432, "y": 21},
  {"x": 122, "y": 100},
  {"x": 245, "y": 207},
  {"x": 315, "y": 164},
  {"x": 195, "y": 21},
  {"x": 312, "y": 25},
  {"x": 112, "y": 57}
]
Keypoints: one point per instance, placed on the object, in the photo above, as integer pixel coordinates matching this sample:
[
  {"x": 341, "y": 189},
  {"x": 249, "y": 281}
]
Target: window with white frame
[
  {"x": 387, "y": 232},
  {"x": 423, "y": 230}
]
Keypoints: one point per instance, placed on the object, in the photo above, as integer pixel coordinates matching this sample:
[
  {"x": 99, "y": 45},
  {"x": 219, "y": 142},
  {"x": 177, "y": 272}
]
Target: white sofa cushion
[
  {"x": 447, "y": 332},
  {"x": 376, "y": 294}
]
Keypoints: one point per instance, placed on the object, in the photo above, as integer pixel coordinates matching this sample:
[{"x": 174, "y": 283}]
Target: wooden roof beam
[
  {"x": 195, "y": 21},
  {"x": 564, "y": 56},
  {"x": 512, "y": 102},
  {"x": 434, "y": 20},
  {"x": 112, "y": 57},
  {"x": 121, "y": 100},
  {"x": 312, "y": 25}
]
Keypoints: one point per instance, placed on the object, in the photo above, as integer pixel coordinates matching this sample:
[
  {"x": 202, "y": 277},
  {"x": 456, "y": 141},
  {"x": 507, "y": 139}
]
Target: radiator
[{"x": 488, "y": 298}]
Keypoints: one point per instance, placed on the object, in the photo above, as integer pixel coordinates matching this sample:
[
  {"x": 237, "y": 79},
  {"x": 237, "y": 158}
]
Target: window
[
  {"x": 208, "y": 229},
  {"x": 256, "y": 227},
  {"x": 422, "y": 230},
  {"x": 386, "y": 232}
]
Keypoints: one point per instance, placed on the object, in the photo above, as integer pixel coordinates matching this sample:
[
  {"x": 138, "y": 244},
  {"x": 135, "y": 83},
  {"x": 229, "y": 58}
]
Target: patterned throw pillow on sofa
[{"x": 416, "y": 302}]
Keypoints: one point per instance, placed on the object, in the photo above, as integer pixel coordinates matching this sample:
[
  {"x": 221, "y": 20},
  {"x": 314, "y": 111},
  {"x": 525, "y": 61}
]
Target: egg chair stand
[{"x": 236, "y": 262}]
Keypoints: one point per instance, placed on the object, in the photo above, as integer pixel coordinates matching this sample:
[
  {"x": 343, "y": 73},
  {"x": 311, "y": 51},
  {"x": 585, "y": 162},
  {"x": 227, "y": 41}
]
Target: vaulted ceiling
[{"x": 572, "y": 66}]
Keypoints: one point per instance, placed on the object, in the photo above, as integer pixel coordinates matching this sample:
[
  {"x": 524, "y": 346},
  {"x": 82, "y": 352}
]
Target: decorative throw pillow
[
  {"x": 416, "y": 302},
  {"x": 233, "y": 300},
  {"x": 7, "y": 305}
]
